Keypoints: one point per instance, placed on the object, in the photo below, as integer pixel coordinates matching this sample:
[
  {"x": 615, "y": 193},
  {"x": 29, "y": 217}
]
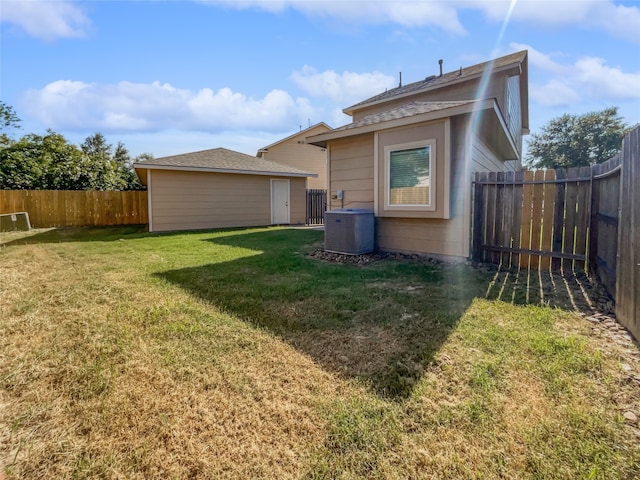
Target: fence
[
  {"x": 584, "y": 218},
  {"x": 66, "y": 208},
  {"x": 316, "y": 206}
]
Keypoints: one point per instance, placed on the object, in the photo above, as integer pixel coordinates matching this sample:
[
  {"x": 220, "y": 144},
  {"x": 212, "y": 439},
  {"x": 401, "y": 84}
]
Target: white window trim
[{"x": 433, "y": 186}]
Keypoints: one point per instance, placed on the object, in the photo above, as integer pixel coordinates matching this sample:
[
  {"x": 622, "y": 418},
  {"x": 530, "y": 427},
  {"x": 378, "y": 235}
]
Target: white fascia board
[{"x": 223, "y": 170}]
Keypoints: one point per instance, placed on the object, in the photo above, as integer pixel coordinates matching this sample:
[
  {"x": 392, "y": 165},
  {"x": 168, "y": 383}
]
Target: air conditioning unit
[
  {"x": 349, "y": 230},
  {"x": 12, "y": 222}
]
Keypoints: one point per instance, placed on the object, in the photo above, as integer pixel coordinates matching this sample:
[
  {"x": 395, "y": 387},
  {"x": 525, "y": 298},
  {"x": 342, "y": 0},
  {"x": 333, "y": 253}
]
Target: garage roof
[{"x": 221, "y": 160}]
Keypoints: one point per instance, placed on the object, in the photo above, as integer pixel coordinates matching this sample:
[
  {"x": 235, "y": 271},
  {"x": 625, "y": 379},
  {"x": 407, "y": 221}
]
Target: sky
[{"x": 171, "y": 77}]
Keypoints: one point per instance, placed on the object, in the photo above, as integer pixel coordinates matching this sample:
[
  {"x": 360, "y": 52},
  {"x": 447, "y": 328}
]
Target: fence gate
[{"x": 316, "y": 206}]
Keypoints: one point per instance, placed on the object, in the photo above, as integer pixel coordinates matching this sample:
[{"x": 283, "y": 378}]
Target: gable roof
[
  {"x": 434, "y": 82},
  {"x": 403, "y": 111},
  {"x": 415, "y": 112},
  {"x": 301, "y": 133},
  {"x": 221, "y": 160}
]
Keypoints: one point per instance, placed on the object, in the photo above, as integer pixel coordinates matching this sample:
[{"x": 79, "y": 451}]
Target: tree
[
  {"x": 8, "y": 120},
  {"x": 577, "y": 140},
  {"x": 50, "y": 162}
]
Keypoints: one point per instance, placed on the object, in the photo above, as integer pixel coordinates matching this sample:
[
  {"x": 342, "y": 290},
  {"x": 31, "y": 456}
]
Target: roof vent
[
  {"x": 429, "y": 78},
  {"x": 440, "y": 63}
]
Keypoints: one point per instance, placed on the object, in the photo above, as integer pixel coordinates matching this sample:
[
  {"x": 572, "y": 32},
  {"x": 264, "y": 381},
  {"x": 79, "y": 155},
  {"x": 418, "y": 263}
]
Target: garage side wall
[{"x": 194, "y": 200}]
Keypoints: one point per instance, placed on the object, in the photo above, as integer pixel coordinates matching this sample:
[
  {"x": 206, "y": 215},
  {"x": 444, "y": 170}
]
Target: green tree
[
  {"x": 39, "y": 162},
  {"x": 577, "y": 140},
  {"x": 8, "y": 120}
]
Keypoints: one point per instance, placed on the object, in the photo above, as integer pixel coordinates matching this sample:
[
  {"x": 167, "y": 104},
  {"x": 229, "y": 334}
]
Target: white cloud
[
  {"x": 618, "y": 20},
  {"x": 409, "y": 14},
  {"x": 342, "y": 87},
  {"x": 554, "y": 93},
  {"x": 126, "y": 106},
  {"x": 543, "y": 61},
  {"x": 587, "y": 78},
  {"x": 46, "y": 20}
]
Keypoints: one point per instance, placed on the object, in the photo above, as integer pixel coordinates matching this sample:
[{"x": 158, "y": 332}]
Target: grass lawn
[{"x": 233, "y": 354}]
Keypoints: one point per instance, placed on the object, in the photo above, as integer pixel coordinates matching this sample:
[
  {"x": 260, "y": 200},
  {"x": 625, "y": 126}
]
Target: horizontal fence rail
[{"x": 71, "y": 208}]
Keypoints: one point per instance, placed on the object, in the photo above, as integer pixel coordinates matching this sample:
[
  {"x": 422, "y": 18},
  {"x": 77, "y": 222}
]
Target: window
[{"x": 410, "y": 169}]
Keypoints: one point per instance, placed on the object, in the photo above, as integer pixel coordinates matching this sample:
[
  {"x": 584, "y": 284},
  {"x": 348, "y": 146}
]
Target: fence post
[{"x": 478, "y": 214}]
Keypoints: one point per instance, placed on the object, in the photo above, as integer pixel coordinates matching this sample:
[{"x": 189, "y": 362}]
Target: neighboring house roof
[
  {"x": 221, "y": 160},
  {"x": 415, "y": 112},
  {"x": 301, "y": 133},
  {"x": 434, "y": 82}
]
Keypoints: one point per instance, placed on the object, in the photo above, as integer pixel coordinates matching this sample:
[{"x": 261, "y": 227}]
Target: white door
[{"x": 279, "y": 202}]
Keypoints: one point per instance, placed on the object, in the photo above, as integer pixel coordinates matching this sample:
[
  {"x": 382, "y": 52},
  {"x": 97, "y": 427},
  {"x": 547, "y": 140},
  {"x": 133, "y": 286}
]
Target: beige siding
[
  {"x": 485, "y": 160},
  {"x": 352, "y": 172},
  {"x": 296, "y": 153},
  {"x": 194, "y": 200},
  {"x": 439, "y": 237},
  {"x": 298, "y": 200},
  {"x": 418, "y": 132}
]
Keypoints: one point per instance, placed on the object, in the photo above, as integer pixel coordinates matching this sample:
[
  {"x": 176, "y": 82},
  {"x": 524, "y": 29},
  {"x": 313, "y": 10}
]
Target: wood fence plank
[
  {"x": 628, "y": 261},
  {"x": 516, "y": 220},
  {"x": 489, "y": 216},
  {"x": 478, "y": 217},
  {"x": 583, "y": 206},
  {"x": 571, "y": 197},
  {"x": 536, "y": 217},
  {"x": 525, "y": 229},
  {"x": 507, "y": 220},
  {"x": 558, "y": 219},
  {"x": 548, "y": 209},
  {"x": 499, "y": 214}
]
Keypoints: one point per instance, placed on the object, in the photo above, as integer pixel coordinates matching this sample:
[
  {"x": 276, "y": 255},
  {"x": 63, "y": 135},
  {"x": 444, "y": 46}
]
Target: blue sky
[{"x": 169, "y": 77}]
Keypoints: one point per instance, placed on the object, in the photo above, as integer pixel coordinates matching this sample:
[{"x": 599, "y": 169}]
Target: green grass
[{"x": 233, "y": 354}]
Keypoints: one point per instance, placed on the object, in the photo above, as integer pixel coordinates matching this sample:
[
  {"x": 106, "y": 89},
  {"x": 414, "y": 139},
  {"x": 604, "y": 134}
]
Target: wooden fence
[
  {"x": 316, "y": 206},
  {"x": 537, "y": 220},
  {"x": 584, "y": 218},
  {"x": 628, "y": 265},
  {"x": 67, "y": 208}
]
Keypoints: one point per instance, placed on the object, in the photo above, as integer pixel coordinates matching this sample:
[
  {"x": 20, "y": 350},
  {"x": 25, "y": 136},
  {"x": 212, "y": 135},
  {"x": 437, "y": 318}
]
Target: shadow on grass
[
  {"x": 567, "y": 290},
  {"x": 72, "y": 234},
  {"x": 382, "y": 323}
]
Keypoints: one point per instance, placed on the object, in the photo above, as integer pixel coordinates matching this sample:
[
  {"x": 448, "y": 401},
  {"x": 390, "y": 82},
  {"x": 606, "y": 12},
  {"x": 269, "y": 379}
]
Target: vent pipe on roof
[
  {"x": 400, "y": 84},
  {"x": 440, "y": 63}
]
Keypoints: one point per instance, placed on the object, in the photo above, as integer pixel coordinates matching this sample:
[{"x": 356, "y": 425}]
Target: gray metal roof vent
[{"x": 349, "y": 230}]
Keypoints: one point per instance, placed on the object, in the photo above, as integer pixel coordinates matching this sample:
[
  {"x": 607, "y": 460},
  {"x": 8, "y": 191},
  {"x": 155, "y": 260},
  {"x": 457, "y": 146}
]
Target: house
[
  {"x": 220, "y": 188},
  {"x": 295, "y": 151},
  {"x": 410, "y": 153}
]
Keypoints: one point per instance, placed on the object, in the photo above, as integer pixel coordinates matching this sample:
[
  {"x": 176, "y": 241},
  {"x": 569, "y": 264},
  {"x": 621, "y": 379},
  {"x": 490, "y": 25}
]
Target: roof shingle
[
  {"x": 224, "y": 160},
  {"x": 439, "y": 81}
]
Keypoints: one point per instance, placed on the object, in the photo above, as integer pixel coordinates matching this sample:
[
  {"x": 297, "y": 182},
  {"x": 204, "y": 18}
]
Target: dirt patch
[{"x": 369, "y": 258}]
